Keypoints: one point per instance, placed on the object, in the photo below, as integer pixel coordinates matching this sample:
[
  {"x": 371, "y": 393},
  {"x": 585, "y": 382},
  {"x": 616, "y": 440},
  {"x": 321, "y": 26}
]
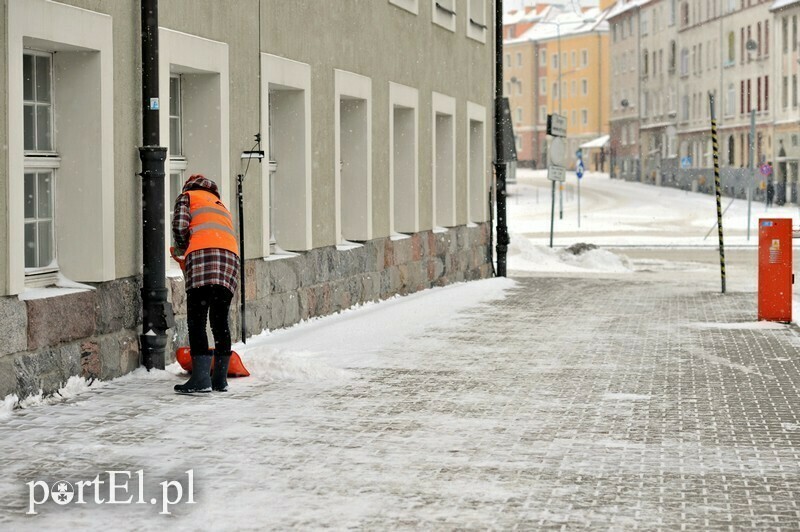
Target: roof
[
  {"x": 780, "y": 4},
  {"x": 569, "y": 23},
  {"x": 533, "y": 15},
  {"x": 599, "y": 142},
  {"x": 624, "y": 6}
]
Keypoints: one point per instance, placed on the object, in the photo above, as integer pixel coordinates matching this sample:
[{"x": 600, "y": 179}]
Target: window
[
  {"x": 574, "y": 88},
  {"x": 584, "y": 117},
  {"x": 444, "y": 160},
  {"x": 644, "y": 25},
  {"x": 785, "y": 34},
  {"x": 574, "y": 59},
  {"x": 476, "y": 20},
  {"x": 444, "y": 14},
  {"x": 684, "y": 14},
  {"x": 41, "y": 163},
  {"x": 412, "y": 6},
  {"x": 766, "y": 37},
  {"x": 543, "y": 86},
  {"x": 766, "y": 93},
  {"x": 584, "y": 58},
  {"x": 645, "y": 63},
  {"x": 286, "y": 94},
  {"x": 353, "y": 152},
  {"x": 177, "y": 160},
  {"x": 645, "y": 102},
  {"x": 684, "y": 62},
  {"x": 542, "y": 114},
  {"x": 478, "y": 189},
  {"x": 543, "y": 58},
  {"x": 519, "y": 114},
  {"x": 555, "y": 90},
  {"x": 403, "y": 159},
  {"x": 794, "y": 90},
  {"x": 794, "y": 33},
  {"x": 60, "y": 156},
  {"x": 519, "y": 59},
  {"x": 673, "y": 56},
  {"x": 731, "y": 48},
  {"x": 507, "y": 62},
  {"x": 785, "y": 93},
  {"x": 508, "y": 88},
  {"x": 555, "y": 60},
  {"x": 585, "y": 87},
  {"x": 730, "y": 108}
]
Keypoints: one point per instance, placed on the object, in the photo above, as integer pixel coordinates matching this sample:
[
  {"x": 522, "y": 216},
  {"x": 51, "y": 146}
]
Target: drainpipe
[
  {"x": 156, "y": 311},
  {"x": 499, "y": 163}
]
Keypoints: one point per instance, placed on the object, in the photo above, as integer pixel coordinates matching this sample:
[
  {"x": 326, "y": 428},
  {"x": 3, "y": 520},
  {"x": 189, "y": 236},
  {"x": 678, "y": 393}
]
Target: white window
[
  {"x": 177, "y": 160},
  {"x": 444, "y": 160},
  {"x": 50, "y": 175},
  {"x": 403, "y": 159},
  {"x": 477, "y": 26},
  {"x": 286, "y": 196},
  {"x": 41, "y": 164},
  {"x": 444, "y": 13},
  {"x": 412, "y": 6},
  {"x": 193, "y": 87},
  {"x": 478, "y": 189},
  {"x": 353, "y": 156}
]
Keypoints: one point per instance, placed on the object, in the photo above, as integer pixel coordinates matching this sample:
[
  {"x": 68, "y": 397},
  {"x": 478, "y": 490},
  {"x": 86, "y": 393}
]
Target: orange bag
[{"x": 235, "y": 368}]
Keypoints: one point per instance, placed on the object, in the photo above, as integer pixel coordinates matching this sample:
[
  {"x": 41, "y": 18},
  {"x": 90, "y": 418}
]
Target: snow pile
[
  {"x": 524, "y": 255},
  {"x": 266, "y": 364},
  {"x": 74, "y": 387},
  {"x": 7, "y": 406}
]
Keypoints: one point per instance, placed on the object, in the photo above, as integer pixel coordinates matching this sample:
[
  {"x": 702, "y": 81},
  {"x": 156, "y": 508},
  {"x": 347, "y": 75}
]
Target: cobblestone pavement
[{"x": 609, "y": 402}]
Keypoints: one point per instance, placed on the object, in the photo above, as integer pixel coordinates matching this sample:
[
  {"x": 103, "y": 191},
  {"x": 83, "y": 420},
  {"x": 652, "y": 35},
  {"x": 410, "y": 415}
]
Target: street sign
[
  {"x": 579, "y": 154},
  {"x": 557, "y": 125},
  {"x": 766, "y": 170},
  {"x": 579, "y": 169},
  {"x": 557, "y": 152},
  {"x": 686, "y": 162},
  {"x": 556, "y": 173}
]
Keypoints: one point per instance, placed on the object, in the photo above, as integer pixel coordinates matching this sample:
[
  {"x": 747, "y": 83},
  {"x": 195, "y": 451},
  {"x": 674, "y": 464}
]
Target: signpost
[
  {"x": 557, "y": 129},
  {"x": 579, "y": 170}
]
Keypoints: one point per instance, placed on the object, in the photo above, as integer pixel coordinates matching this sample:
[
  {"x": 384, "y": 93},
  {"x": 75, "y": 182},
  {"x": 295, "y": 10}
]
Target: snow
[
  {"x": 74, "y": 387},
  {"x": 744, "y": 326},
  {"x": 524, "y": 255}
]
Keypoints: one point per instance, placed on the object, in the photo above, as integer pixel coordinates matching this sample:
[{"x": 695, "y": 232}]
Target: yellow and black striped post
[{"x": 718, "y": 189}]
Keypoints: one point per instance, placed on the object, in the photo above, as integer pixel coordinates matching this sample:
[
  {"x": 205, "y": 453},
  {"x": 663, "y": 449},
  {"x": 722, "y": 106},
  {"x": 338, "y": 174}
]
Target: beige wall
[
  {"x": 3, "y": 152},
  {"x": 375, "y": 39},
  {"x": 437, "y": 60}
]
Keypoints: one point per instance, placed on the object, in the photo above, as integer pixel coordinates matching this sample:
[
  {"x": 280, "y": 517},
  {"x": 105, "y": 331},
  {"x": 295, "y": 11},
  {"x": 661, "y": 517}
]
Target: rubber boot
[
  {"x": 219, "y": 381},
  {"x": 200, "y": 381}
]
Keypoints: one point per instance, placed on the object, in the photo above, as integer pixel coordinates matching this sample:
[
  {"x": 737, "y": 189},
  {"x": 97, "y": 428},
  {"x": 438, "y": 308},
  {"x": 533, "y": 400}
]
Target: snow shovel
[{"x": 235, "y": 368}]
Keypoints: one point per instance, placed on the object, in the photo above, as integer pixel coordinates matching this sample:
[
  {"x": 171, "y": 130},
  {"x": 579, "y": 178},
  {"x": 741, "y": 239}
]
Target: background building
[
  {"x": 556, "y": 65},
  {"x": 378, "y": 136}
]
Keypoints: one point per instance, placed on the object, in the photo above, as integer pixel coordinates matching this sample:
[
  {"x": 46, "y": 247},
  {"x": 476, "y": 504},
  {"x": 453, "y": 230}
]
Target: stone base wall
[{"x": 95, "y": 333}]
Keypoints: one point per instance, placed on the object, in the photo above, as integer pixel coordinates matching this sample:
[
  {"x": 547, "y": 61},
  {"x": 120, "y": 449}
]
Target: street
[{"x": 570, "y": 395}]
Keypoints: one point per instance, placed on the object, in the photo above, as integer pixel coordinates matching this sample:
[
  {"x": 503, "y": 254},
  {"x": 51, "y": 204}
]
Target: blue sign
[
  {"x": 579, "y": 153},
  {"x": 686, "y": 162},
  {"x": 579, "y": 169}
]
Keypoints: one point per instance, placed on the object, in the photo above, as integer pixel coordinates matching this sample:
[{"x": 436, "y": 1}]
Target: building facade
[
  {"x": 560, "y": 58},
  {"x": 376, "y": 180},
  {"x": 741, "y": 53}
]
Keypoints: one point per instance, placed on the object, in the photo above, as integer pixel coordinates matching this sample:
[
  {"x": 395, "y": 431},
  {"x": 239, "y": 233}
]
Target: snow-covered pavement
[{"x": 623, "y": 392}]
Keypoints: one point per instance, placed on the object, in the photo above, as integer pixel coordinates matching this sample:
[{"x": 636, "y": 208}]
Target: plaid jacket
[{"x": 204, "y": 266}]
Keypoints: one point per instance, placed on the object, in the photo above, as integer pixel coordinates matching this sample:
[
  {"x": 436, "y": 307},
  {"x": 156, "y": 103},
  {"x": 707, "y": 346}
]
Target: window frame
[
  {"x": 477, "y": 28},
  {"x": 412, "y": 6},
  {"x": 443, "y": 14}
]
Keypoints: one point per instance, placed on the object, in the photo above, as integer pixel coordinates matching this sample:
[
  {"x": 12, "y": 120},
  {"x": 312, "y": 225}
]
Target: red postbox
[{"x": 775, "y": 276}]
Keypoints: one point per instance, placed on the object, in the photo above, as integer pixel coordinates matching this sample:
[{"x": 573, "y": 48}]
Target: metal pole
[
  {"x": 560, "y": 91},
  {"x": 552, "y": 213},
  {"x": 242, "y": 292},
  {"x": 579, "y": 202},
  {"x": 718, "y": 189},
  {"x": 156, "y": 310},
  {"x": 499, "y": 165},
  {"x": 752, "y": 178}
]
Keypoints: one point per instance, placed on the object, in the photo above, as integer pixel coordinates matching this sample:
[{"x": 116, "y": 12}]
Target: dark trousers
[{"x": 209, "y": 301}]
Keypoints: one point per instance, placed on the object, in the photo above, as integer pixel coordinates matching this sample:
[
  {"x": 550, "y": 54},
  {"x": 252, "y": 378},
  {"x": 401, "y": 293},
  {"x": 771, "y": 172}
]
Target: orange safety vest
[{"x": 211, "y": 225}]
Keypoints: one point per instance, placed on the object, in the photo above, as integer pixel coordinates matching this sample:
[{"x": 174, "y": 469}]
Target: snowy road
[{"x": 613, "y": 390}]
